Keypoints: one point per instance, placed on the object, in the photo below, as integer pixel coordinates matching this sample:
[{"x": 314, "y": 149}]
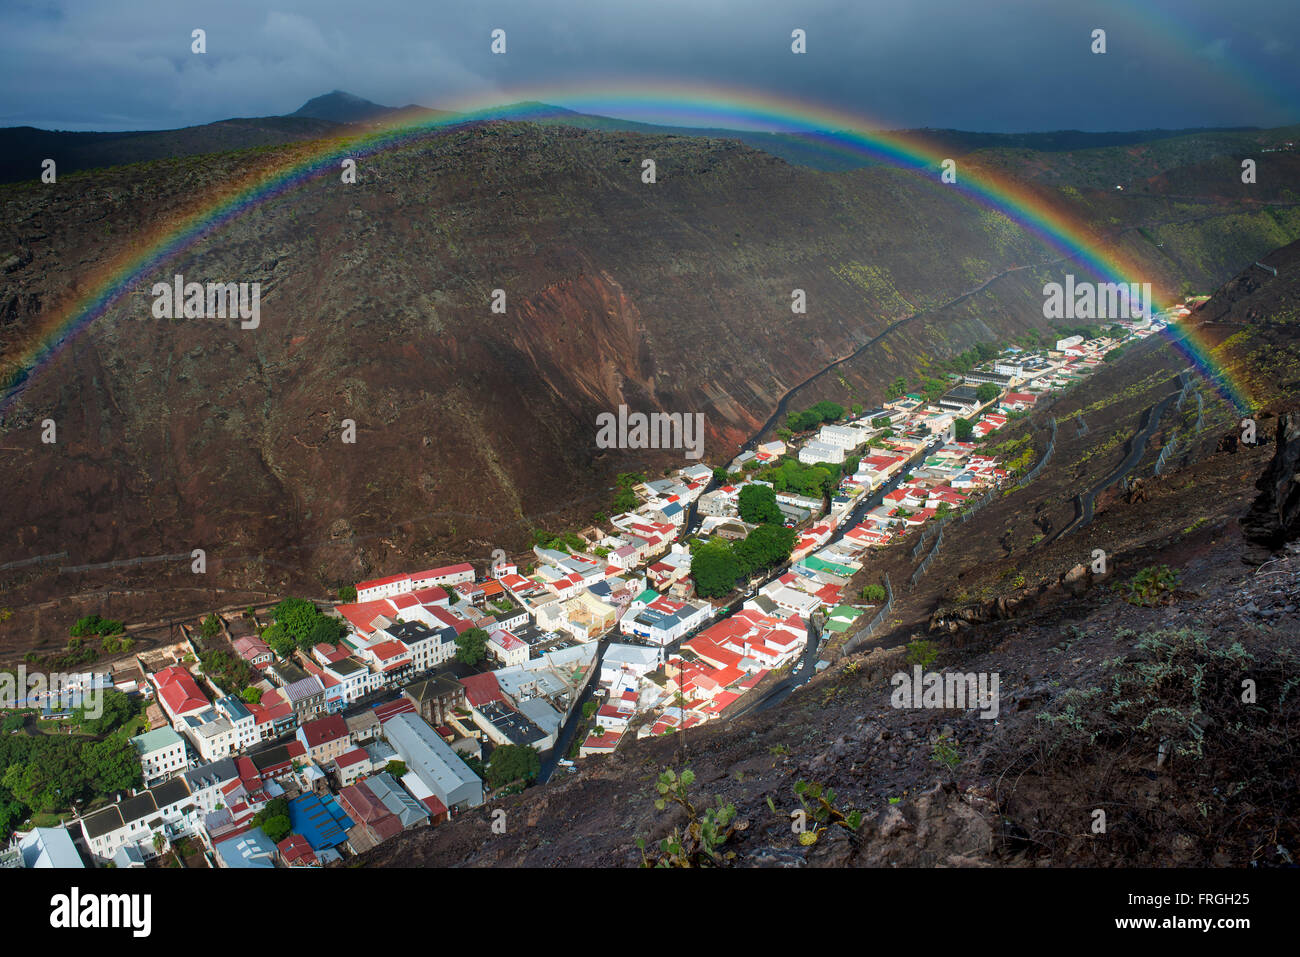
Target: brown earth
[{"x": 474, "y": 428}]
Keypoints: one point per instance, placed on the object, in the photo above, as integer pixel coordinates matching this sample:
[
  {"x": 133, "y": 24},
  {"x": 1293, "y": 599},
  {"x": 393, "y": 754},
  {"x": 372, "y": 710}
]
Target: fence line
[
  {"x": 1047, "y": 455},
  {"x": 875, "y": 622},
  {"x": 1165, "y": 453}
]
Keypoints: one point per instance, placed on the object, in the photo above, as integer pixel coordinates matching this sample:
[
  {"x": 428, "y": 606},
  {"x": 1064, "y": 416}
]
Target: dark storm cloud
[{"x": 998, "y": 65}]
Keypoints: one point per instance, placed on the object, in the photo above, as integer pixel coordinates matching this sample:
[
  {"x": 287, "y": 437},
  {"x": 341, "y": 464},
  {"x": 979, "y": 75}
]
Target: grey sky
[{"x": 1000, "y": 65}]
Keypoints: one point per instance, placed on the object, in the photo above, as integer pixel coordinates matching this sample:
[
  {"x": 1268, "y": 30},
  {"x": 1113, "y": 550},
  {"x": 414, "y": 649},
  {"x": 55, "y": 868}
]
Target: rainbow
[{"x": 651, "y": 101}]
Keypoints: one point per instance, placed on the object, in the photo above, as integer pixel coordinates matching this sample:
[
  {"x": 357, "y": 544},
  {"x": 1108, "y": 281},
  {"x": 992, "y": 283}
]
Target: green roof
[
  {"x": 847, "y": 612},
  {"x": 648, "y": 596},
  {"x": 155, "y": 740}
]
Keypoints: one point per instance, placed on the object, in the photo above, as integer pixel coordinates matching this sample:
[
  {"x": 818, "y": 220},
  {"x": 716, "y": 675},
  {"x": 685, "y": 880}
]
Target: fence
[
  {"x": 925, "y": 565},
  {"x": 1047, "y": 456},
  {"x": 1165, "y": 453},
  {"x": 875, "y": 622},
  {"x": 971, "y": 506},
  {"x": 927, "y": 531}
]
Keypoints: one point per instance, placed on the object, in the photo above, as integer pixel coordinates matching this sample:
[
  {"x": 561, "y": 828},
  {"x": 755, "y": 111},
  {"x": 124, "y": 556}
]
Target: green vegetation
[
  {"x": 230, "y": 672},
  {"x": 564, "y": 542},
  {"x": 873, "y": 593},
  {"x": 699, "y": 843},
  {"x": 758, "y": 505},
  {"x": 304, "y": 625},
  {"x": 626, "y": 500},
  {"x": 963, "y": 429},
  {"x": 273, "y": 819},
  {"x": 717, "y": 565},
  {"x": 211, "y": 627},
  {"x": 812, "y": 417},
  {"x": 471, "y": 646},
  {"x": 115, "y": 710},
  {"x": 922, "y": 652},
  {"x": 818, "y": 803},
  {"x": 511, "y": 763},
  {"x": 95, "y": 625},
  {"x": 396, "y": 768},
  {"x": 49, "y": 773},
  {"x": 1153, "y": 585},
  {"x": 347, "y": 593},
  {"x": 986, "y": 392}
]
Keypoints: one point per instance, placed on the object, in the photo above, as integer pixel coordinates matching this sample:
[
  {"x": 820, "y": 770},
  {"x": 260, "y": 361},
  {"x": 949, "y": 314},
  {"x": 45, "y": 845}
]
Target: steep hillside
[
  {"x": 1119, "y": 692},
  {"x": 474, "y": 427}
]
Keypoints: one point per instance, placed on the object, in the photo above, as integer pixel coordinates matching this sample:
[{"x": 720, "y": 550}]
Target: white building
[
  {"x": 814, "y": 452},
  {"x": 162, "y": 754}
]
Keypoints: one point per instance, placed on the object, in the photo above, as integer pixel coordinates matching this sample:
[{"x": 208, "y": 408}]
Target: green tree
[
  {"x": 873, "y": 593},
  {"x": 396, "y": 768},
  {"x": 987, "y": 392},
  {"x": 114, "y": 709},
  {"x": 758, "y": 505},
  {"x": 714, "y": 569},
  {"x": 964, "y": 430},
  {"x": 211, "y": 627},
  {"x": 278, "y": 640},
  {"x": 348, "y": 593},
  {"x": 513, "y": 762},
  {"x": 251, "y": 694},
  {"x": 297, "y": 616},
  {"x": 471, "y": 646}
]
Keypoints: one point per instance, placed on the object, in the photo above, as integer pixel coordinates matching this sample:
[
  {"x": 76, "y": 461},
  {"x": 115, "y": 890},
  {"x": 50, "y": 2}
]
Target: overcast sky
[{"x": 997, "y": 65}]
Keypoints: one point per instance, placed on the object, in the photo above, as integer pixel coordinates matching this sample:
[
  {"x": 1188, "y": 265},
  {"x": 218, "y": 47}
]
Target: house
[
  {"x": 506, "y": 648},
  {"x": 436, "y": 697},
  {"x": 306, "y": 696},
  {"x": 206, "y": 783},
  {"x": 43, "y": 847},
  {"x": 325, "y": 738},
  {"x": 402, "y": 584},
  {"x": 434, "y": 762},
  {"x": 179, "y": 693},
  {"x": 814, "y": 452},
  {"x": 167, "y": 810},
  {"x": 161, "y": 753},
  {"x": 296, "y": 852},
  {"x": 251, "y": 849}
]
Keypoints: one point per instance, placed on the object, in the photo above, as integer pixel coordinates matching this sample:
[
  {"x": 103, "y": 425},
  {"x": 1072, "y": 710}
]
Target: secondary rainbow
[{"x": 650, "y": 101}]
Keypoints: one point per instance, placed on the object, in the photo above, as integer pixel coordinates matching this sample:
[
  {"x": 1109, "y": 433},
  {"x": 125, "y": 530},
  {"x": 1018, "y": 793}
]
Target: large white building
[
  {"x": 162, "y": 754},
  {"x": 814, "y": 452}
]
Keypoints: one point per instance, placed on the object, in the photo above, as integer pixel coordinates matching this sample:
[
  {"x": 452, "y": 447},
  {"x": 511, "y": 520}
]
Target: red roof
[
  {"x": 323, "y": 730},
  {"x": 376, "y": 582},
  {"x": 387, "y": 650},
  {"x": 391, "y": 709},
  {"x": 361, "y": 614},
  {"x": 481, "y": 689},
  {"x": 179, "y": 691},
  {"x": 349, "y": 758},
  {"x": 297, "y": 852}
]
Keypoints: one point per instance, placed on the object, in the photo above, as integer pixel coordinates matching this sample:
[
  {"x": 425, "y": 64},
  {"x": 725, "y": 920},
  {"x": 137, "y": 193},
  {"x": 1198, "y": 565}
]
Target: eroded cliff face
[{"x": 472, "y": 426}]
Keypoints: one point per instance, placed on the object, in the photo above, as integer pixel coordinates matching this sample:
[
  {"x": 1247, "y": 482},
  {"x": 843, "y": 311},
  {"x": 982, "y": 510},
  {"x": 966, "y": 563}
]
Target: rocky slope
[
  {"x": 475, "y": 427},
  {"x": 1120, "y": 692}
]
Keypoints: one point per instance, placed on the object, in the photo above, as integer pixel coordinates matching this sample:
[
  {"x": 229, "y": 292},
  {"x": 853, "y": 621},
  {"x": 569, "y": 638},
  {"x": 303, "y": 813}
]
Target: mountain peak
[{"x": 342, "y": 107}]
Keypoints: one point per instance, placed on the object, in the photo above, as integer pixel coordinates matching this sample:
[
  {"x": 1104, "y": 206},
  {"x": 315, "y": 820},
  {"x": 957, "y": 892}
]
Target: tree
[
  {"x": 964, "y": 430},
  {"x": 896, "y": 388},
  {"x": 277, "y": 828},
  {"x": 714, "y": 569},
  {"x": 278, "y": 640},
  {"x": 471, "y": 646},
  {"x": 348, "y": 593},
  {"x": 396, "y": 768},
  {"x": 251, "y": 695},
  {"x": 986, "y": 392},
  {"x": 326, "y": 631},
  {"x": 114, "y": 709},
  {"x": 297, "y": 616},
  {"x": 513, "y": 762},
  {"x": 758, "y": 505},
  {"x": 95, "y": 625},
  {"x": 211, "y": 627},
  {"x": 873, "y": 593}
]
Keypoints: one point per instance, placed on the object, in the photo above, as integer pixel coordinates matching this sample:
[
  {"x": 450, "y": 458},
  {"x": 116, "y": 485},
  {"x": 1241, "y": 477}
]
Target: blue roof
[{"x": 319, "y": 820}]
